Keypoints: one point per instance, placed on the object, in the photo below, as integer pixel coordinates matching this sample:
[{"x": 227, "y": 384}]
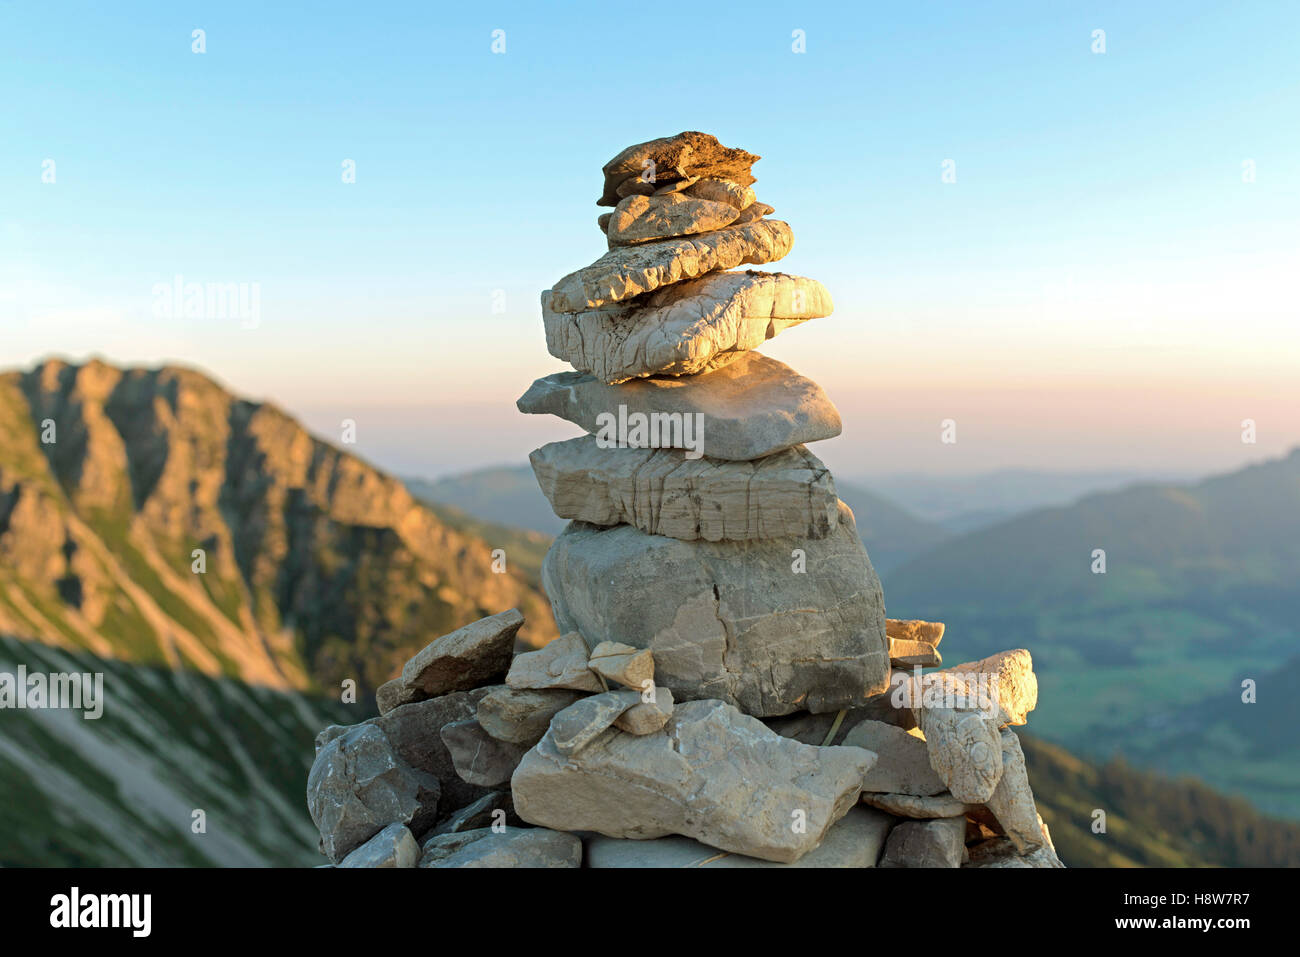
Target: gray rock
[
  {"x": 647, "y": 717},
  {"x": 1001, "y": 852},
  {"x": 577, "y": 725},
  {"x": 394, "y": 846},
  {"x": 561, "y": 663},
  {"x": 926, "y": 844},
  {"x": 1012, "y": 802},
  {"x": 469, "y": 657},
  {"x": 513, "y": 847},
  {"x": 750, "y": 408},
  {"x": 961, "y": 729},
  {"x": 478, "y": 757},
  {"x": 358, "y": 785},
  {"x": 738, "y": 622},
  {"x": 414, "y": 730},
  {"x": 522, "y": 715},
  {"x": 623, "y": 664},
  {"x": 628, "y": 271},
  {"x": 902, "y": 760},
  {"x": 662, "y": 492},
  {"x": 855, "y": 840},
  {"x": 495, "y": 808},
  {"x": 905, "y": 653},
  {"x": 686, "y": 328},
  {"x": 712, "y": 773},
  {"x": 1010, "y": 678},
  {"x": 918, "y": 806}
]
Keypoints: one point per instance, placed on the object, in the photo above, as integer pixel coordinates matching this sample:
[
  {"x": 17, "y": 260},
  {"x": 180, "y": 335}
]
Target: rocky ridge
[{"x": 726, "y": 689}]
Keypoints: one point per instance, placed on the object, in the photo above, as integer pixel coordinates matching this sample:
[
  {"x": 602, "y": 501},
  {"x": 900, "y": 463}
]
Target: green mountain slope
[
  {"x": 1200, "y": 590},
  {"x": 317, "y": 567}
]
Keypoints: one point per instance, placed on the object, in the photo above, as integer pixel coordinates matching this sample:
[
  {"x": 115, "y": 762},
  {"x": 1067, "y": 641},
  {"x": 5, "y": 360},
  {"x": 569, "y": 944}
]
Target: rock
[
  {"x": 647, "y": 717},
  {"x": 394, "y": 846},
  {"x": 687, "y": 328},
  {"x": 965, "y": 748},
  {"x": 753, "y": 213},
  {"x": 602, "y": 221},
  {"x": 630, "y": 667},
  {"x": 814, "y": 728},
  {"x": 855, "y": 840},
  {"x": 734, "y": 195},
  {"x": 752, "y": 407},
  {"x": 577, "y": 725},
  {"x": 562, "y": 663},
  {"x": 772, "y": 627},
  {"x": 513, "y": 847},
  {"x": 480, "y": 758},
  {"x": 913, "y": 653},
  {"x": 1010, "y": 681},
  {"x": 627, "y": 271},
  {"x": 902, "y": 760},
  {"x": 521, "y": 716},
  {"x": 414, "y": 730},
  {"x": 1001, "y": 852},
  {"x": 1012, "y": 802},
  {"x": 926, "y": 844},
  {"x": 638, "y": 219},
  {"x": 469, "y": 657},
  {"x": 358, "y": 786},
  {"x": 676, "y": 186},
  {"x": 917, "y": 806},
  {"x": 929, "y": 632},
  {"x": 712, "y": 773},
  {"x": 664, "y": 492},
  {"x": 494, "y": 808},
  {"x": 688, "y": 155}
]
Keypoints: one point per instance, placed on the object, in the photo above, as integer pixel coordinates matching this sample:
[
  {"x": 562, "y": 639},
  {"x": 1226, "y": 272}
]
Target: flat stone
[
  {"x": 913, "y": 629},
  {"x": 394, "y": 846},
  {"x": 712, "y": 773},
  {"x": 414, "y": 731},
  {"x": 917, "y": 806},
  {"x": 751, "y": 408},
  {"x": 1012, "y": 680},
  {"x": 628, "y": 666},
  {"x": 687, "y": 328},
  {"x": 688, "y": 155},
  {"x": 734, "y": 195},
  {"x": 1001, "y": 852},
  {"x": 494, "y": 808},
  {"x": 521, "y": 716},
  {"x": 913, "y": 653},
  {"x": 561, "y": 663},
  {"x": 628, "y": 271},
  {"x": 358, "y": 785},
  {"x": 469, "y": 657},
  {"x": 638, "y": 219},
  {"x": 480, "y": 758},
  {"x": 902, "y": 760},
  {"x": 814, "y": 728},
  {"x": 772, "y": 627},
  {"x": 664, "y": 492},
  {"x": 753, "y": 213},
  {"x": 855, "y": 840},
  {"x": 513, "y": 847},
  {"x": 926, "y": 844},
  {"x": 578, "y": 725},
  {"x": 1012, "y": 802},
  {"x": 647, "y": 717}
]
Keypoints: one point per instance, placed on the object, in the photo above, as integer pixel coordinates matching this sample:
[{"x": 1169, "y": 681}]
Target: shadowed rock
[{"x": 661, "y": 162}]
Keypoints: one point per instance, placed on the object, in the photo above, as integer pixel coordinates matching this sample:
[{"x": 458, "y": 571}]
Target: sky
[{"x": 1109, "y": 283}]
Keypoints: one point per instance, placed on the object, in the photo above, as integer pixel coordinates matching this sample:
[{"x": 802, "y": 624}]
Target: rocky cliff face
[{"x": 151, "y": 516}]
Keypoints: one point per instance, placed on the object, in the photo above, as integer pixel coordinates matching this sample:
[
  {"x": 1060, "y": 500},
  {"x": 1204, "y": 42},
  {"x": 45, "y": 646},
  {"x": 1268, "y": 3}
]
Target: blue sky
[{"x": 1098, "y": 288}]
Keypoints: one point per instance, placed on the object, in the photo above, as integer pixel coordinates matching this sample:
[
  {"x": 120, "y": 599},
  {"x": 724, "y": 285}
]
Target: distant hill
[
  {"x": 318, "y": 567},
  {"x": 1199, "y": 591},
  {"x": 510, "y": 496}
]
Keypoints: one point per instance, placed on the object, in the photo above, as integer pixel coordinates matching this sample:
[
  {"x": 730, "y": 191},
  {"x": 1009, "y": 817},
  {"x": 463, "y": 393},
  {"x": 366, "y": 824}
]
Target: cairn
[{"x": 726, "y": 690}]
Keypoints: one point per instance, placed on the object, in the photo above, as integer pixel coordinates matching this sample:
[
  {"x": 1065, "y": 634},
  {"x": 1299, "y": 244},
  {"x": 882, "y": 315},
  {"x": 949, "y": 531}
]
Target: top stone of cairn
[{"x": 673, "y": 163}]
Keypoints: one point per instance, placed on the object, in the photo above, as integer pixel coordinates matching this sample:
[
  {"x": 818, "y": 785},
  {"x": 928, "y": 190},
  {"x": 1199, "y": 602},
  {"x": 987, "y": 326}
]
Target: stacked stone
[{"x": 721, "y": 693}]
